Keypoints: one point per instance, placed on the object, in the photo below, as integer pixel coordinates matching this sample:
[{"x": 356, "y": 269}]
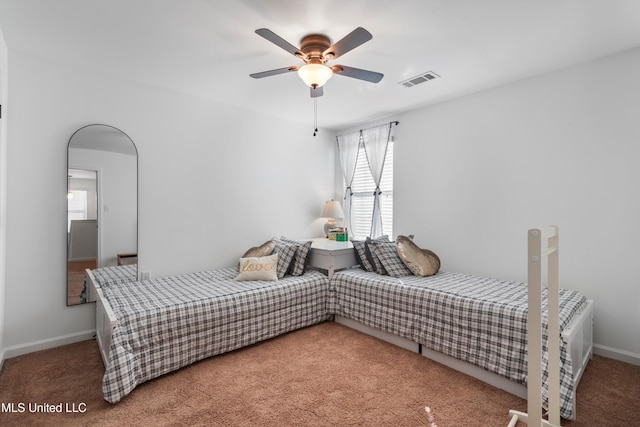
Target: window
[
  {"x": 362, "y": 200},
  {"x": 76, "y": 206}
]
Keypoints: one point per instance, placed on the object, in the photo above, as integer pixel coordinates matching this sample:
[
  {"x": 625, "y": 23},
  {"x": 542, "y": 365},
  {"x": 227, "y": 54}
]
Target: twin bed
[
  {"x": 147, "y": 329},
  {"x": 476, "y": 325}
]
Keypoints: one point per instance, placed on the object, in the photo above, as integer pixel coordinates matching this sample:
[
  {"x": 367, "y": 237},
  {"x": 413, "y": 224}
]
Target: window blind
[{"x": 362, "y": 202}]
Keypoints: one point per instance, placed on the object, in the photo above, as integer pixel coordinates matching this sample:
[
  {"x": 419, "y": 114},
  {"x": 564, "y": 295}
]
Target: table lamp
[{"x": 332, "y": 210}]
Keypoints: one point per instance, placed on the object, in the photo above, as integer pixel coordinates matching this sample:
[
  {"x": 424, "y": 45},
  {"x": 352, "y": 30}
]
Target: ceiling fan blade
[
  {"x": 274, "y": 72},
  {"x": 349, "y": 42},
  {"x": 316, "y": 92},
  {"x": 278, "y": 41},
  {"x": 357, "y": 73}
]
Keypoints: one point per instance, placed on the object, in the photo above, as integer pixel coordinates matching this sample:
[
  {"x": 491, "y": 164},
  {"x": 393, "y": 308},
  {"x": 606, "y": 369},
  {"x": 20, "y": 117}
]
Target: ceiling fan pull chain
[{"x": 315, "y": 115}]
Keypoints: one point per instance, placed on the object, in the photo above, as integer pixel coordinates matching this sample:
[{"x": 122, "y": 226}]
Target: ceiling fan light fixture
[{"x": 315, "y": 75}]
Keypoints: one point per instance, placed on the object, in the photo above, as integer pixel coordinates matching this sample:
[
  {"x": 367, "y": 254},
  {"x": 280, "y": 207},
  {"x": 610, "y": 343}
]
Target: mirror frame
[{"x": 99, "y": 201}]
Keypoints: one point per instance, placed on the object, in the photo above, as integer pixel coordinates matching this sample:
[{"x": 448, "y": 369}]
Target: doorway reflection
[{"x": 82, "y": 229}]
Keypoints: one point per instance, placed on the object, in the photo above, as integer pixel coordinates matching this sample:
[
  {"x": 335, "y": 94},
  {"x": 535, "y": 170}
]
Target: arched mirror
[{"x": 102, "y": 205}]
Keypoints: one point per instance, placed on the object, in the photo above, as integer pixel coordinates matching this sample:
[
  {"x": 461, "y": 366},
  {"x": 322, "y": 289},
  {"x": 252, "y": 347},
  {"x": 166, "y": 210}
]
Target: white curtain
[
  {"x": 376, "y": 140},
  {"x": 348, "y": 149}
]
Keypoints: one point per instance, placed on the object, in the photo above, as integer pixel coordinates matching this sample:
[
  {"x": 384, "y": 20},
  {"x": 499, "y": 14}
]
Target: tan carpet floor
[{"x": 325, "y": 375}]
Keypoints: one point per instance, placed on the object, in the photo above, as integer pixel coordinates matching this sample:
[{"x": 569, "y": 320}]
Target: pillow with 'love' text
[{"x": 258, "y": 268}]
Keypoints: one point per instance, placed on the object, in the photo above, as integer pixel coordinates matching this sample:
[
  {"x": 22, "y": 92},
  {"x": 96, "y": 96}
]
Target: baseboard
[
  {"x": 31, "y": 347},
  {"x": 2, "y": 353},
  {"x": 616, "y": 354}
]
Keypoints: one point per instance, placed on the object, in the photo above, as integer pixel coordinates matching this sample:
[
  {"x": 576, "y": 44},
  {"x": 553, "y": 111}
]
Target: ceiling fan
[{"x": 315, "y": 50}]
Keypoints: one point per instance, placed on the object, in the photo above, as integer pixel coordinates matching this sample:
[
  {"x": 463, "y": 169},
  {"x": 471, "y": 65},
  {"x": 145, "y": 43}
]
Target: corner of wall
[
  {"x": 616, "y": 354},
  {"x": 3, "y": 187},
  {"x": 46, "y": 344}
]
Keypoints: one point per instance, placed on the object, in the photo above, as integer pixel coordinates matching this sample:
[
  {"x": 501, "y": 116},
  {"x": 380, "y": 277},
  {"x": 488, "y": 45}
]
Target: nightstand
[{"x": 330, "y": 255}]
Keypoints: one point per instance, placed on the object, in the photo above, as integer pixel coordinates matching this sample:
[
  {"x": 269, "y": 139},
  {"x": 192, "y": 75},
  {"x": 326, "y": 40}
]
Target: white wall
[
  {"x": 245, "y": 177},
  {"x": 472, "y": 175}
]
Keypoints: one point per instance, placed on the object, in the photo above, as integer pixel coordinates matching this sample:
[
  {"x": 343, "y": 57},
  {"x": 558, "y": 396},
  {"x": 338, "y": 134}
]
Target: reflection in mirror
[{"x": 102, "y": 205}]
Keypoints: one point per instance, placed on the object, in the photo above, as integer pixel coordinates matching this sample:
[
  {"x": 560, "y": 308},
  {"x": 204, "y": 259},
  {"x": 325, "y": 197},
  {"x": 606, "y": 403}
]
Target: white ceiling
[{"x": 208, "y": 48}]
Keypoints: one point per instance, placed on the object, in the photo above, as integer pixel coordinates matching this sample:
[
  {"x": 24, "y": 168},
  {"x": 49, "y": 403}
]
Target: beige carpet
[{"x": 325, "y": 375}]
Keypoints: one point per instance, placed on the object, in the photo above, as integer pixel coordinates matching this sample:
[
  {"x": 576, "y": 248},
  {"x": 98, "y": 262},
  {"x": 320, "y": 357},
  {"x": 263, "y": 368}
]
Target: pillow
[
  {"x": 259, "y": 251},
  {"x": 258, "y": 268},
  {"x": 286, "y": 252},
  {"x": 302, "y": 254},
  {"x": 377, "y": 267},
  {"x": 363, "y": 255},
  {"x": 387, "y": 255},
  {"x": 421, "y": 262},
  {"x": 359, "y": 250}
]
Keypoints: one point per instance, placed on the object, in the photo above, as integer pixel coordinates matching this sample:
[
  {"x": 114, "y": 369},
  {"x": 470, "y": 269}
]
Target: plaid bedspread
[
  {"x": 167, "y": 323},
  {"x": 479, "y": 320},
  {"x": 106, "y": 276}
]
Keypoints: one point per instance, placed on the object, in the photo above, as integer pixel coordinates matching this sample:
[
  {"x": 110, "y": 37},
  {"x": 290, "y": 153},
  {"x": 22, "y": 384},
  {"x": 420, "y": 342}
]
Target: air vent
[{"x": 422, "y": 78}]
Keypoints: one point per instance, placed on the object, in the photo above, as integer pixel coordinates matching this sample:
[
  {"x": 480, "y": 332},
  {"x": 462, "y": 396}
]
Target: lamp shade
[
  {"x": 332, "y": 209},
  {"x": 315, "y": 75}
]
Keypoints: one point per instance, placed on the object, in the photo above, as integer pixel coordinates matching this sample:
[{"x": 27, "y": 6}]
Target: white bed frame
[
  {"x": 105, "y": 318},
  {"x": 91, "y": 290}
]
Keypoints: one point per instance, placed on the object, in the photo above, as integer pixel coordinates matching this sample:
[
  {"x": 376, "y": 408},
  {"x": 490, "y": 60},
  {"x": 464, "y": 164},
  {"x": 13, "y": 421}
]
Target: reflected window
[{"x": 76, "y": 205}]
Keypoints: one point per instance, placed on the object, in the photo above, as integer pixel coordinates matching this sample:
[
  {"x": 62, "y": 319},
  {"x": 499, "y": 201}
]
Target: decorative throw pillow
[
  {"x": 387, "y": 254},
  {"x": 259, "y": 251},
  {"x": 258, "y": 268},
  {"x": 377, "y": 266},
  {"x": 360, "y": 252},
  {"x": 421, "y": 262},
  {"x": 286, "y": 252},
  {"x": 302, "y": 254},
  {"x": 264, "y": 249}
]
